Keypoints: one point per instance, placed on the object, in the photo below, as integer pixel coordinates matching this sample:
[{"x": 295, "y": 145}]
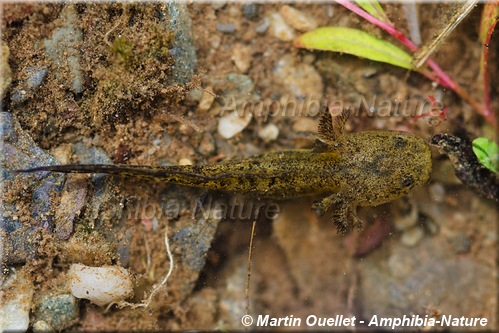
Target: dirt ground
[{"x": 433, "y": 253}]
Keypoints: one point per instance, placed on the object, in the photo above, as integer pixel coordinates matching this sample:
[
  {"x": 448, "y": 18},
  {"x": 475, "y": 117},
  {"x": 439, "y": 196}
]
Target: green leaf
[
  {"x": 355, "y": 42},
  {"x": 374, "y": 8},
  {"x": 487, "y": 152}
]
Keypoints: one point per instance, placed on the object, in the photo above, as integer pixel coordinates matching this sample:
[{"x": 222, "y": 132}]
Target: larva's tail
[
  {"x": 188, "y": 175},
  {"x": 90, "y": 168}
]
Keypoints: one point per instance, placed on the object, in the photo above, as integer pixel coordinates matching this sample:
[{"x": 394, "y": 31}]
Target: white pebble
[
  {"x": 232, "y": 124},
  {"x": 279, "y": 28},
  {"x": 269, "y": 133},
  {"x": 297, "y": 19},
  {"x": 262, "y": 27},
  {"x": 100, "y": 285},
  {"x": 437, "y": 192},
  {"x": 412, "y": 236},
  {"x": 15, "y": 303}
]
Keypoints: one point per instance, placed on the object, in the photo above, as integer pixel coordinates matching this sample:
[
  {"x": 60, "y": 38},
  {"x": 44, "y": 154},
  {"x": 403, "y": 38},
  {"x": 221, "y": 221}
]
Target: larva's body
[{"x": 359, "y": 169}]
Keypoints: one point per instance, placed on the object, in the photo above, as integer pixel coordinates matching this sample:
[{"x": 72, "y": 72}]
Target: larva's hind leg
[{"x": 356, "y": 221}]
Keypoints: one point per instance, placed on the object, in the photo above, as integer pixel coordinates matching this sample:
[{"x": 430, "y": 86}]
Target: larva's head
[{"x": 389, "y": 164}]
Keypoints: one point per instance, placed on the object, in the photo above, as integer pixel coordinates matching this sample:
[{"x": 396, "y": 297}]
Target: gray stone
[
  {"x": 30, "y": 85},
  {"x": 194, "y": 242},
  {"x": 183, "y": 48},
  {"x": 227, "y": 28},
  {"x": 59, "y": 311},
  {"x": 250, "y": 10},
  {"x": 63, "y": 49},
  {"x": 20, "y": 152},
  {"x": 263, "y": 26},
  {"x": 105, "y": 204}
]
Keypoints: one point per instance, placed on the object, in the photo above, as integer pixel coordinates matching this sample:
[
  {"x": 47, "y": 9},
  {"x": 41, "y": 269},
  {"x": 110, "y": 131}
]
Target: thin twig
[
  {"x": 250, "y": 253},
  {"x": 423, "y": 54}
]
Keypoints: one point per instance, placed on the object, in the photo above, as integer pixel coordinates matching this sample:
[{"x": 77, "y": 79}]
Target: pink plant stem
[
  {"x": 486, "y": 83},
  {"x": 442, "y": 78}
]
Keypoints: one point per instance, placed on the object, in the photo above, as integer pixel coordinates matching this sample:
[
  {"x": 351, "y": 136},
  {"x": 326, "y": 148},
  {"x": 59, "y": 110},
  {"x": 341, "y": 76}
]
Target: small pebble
[
  {"x": 430, "y": 226},
  {"x": 297, "y": 19},
  {"x": 226, "y": 28},
  {"x": 207, "y": 145},
  {"x": 62, "y": 153},
  {"x": 216, "y": 40},
  {"x": 405, "y": 214},
  {"x": 412, "y": 236},
  {"x": 58, "y": 312},
  {"x": 263, "y": 26},
  {"x": 241, "y": 56},
  {"x": 461, "y": 243},
  {"x": 280, "y": 29},
  {"x": 300, "y": 79},
  {"x": 231, "y": 124},
  {"x": 185, "y": 161},
  {"x": 31, "y": 84},
  {"x": 100, "y": 285},
  {"x": 206, "y": 100},
  {"x": 16, "y": 304},
  {"x": 437, "y": 192},
  {"x": 269, "y": 133},
  {"x": 330, "y": 11},
  {"x": 42, "y": 326},
  {"x": 250, "y": 10},
  {"x": 218, "y": 4},
  {"x": 195, "y": 95}
]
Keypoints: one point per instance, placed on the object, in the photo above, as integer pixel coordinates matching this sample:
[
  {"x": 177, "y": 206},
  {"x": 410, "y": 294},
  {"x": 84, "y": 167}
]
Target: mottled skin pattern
[{"x": 360, "y": 169}]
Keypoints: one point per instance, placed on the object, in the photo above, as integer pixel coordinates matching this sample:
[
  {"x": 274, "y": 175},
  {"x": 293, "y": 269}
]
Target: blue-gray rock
[
  {"x": 59, "y": 311},
  {"x": 183, "y": 49},
  {"x": 250, "y": 10},
  {"x": 29, "y": 86},
  {"x": 20, "y": 152},
  {"x": 63, "y": 49},
  {"x": 263, "y": 26},
  {"x": 105, "y": 204},
  {"x": 227, "y": 28}
]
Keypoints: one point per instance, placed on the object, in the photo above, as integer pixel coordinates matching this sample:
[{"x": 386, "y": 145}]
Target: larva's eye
[
  {"x": 399, "y": 142},
  {"x": 407, "y": 181}
]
